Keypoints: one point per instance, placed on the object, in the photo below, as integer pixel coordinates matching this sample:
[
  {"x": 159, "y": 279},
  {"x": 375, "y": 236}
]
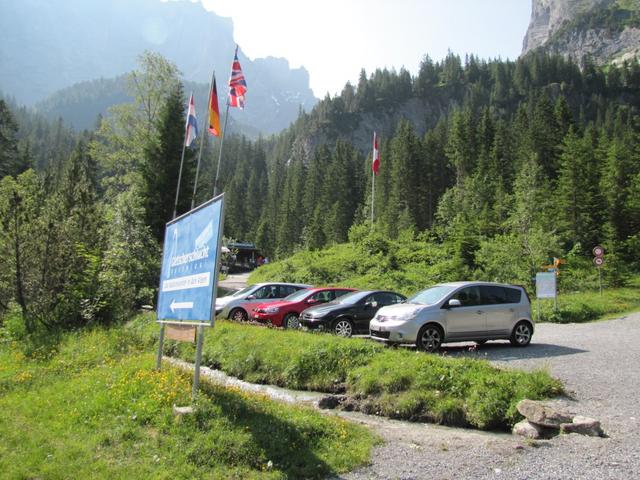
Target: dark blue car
[{"x": 350, "y": 313}]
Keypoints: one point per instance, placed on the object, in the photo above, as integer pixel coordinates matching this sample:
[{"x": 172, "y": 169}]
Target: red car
[{"x": 285, "y": 312}]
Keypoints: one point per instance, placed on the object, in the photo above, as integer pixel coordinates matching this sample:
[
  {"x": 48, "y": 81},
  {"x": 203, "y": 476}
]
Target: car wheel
[
  {"x": 430, "y": 338},
  {"x": 343, "y": 328},
  {"x": 521, "y": 335},
  {"x": 291, "y": 321},
  {"x": 238, "y": 314}
]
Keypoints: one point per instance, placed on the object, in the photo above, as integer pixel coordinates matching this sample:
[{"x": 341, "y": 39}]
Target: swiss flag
[{"x": 375, "y": 166}]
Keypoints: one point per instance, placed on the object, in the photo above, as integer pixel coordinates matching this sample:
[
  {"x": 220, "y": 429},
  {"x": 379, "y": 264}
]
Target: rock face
[{"x": 577, "y": 28}]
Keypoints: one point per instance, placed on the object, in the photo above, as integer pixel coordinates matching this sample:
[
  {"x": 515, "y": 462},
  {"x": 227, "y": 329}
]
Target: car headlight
[
  {"x": 402, "y": 317},
  {"x": 272, "y": 310}
]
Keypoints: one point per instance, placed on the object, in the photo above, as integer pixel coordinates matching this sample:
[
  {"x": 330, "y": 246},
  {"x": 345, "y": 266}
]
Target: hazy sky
[{"x": 334, "y": 39}]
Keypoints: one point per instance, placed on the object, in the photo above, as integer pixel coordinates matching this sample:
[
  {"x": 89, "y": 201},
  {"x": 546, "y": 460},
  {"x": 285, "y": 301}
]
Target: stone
[
  {"x": 331, "y": 401},
  {"x": 583, "y": 426},
  {"x": 182, "y": 411},
  {"x": 542, "y": 414},
  {"x": 528, "y": 430}
]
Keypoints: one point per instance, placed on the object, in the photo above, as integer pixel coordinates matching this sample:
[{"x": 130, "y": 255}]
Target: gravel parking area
[{"x": 599, "y": 365}]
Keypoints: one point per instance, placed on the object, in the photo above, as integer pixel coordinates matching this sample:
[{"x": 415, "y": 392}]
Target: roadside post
[
  {"x": 189, "y": 277},
  {"x": 598, "y": 261},
  {"x": 546, "y": 288}
]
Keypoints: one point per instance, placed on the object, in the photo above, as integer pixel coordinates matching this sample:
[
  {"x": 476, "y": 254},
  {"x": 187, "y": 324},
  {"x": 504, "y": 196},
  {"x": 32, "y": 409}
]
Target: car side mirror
[
  {"x": 454, "y": 302},
  {"x": 372, "y": 304},
  {"x": 311, "y": 301},
  {"x": 251, "y": 297}
]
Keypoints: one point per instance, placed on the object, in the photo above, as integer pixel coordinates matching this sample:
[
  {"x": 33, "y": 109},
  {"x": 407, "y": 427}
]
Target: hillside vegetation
[
  {"x": 488, "y": 170},
  {"x": 412, "y": 263}
]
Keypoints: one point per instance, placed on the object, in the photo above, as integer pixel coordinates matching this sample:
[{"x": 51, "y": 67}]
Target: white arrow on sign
[{"x": 180, "y": 305}]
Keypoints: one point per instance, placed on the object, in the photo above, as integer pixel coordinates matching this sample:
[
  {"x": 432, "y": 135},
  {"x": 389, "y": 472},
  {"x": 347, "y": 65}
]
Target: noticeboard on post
[
  {"x": 190, "y": 265},
  {"x": 546, "y": 285}
]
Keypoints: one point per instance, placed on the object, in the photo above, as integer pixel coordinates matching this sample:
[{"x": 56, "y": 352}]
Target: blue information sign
[{"x": 190, "y": 265}]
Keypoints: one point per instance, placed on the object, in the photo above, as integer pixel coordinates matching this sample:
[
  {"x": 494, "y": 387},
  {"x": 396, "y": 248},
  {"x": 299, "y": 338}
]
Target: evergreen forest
[{"x": 496, "y": 163}]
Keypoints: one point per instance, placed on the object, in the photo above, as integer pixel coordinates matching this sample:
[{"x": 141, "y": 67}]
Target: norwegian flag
[
  {"x": 375, "y": 166},
  {"x": 237, "y": 84},
  {"x": 192, "y": 123}
]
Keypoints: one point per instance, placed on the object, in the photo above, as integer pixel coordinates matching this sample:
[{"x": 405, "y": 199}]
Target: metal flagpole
[
  {"x": 175, "y": 204},
  {"x": 224, "y": 132},
  {"x": 175, "y": 209},
  {"x": 195, "y": 185},
  {"x": 373, "y": 193}
]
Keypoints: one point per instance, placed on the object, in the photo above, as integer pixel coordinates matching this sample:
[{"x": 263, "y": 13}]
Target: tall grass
[
  {"x": 397, "y": 383},
  {"x": 96, "y": 408}
]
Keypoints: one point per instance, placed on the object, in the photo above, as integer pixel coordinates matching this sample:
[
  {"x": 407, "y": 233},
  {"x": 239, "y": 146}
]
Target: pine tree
[
  {"x": 579, "y": 205},
  {"x": 9, "y": 155},
  {"x": 161, "y": 167}
]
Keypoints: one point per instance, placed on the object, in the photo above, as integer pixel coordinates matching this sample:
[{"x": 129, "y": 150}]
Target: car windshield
[
  {"x": 351, "y": 298},
  {"x": 297, "y": 295},
  {"x": 432, "y": 295},
  {"x": 244, "y": 291}
]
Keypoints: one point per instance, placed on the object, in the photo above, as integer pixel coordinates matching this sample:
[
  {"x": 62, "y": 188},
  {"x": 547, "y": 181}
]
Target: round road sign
[
  {"x": 598, "y": 261},
  {"x": 598, "y": 251}
]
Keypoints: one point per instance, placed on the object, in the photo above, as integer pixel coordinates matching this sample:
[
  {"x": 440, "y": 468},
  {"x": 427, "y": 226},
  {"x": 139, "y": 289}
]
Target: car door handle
[{"x": 479, "y": 312}]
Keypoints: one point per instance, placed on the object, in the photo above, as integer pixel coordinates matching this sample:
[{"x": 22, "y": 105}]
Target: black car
[{"x": 350, "y": 313}]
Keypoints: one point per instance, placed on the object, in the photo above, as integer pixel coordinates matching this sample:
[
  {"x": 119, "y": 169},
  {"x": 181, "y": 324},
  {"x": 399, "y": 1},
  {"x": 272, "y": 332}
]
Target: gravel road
[{"x": 599, "y": 365}]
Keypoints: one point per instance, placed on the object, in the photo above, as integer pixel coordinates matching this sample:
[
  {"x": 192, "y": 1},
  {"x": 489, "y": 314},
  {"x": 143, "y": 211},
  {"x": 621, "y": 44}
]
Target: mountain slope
[{"x": 47, "y": 46}]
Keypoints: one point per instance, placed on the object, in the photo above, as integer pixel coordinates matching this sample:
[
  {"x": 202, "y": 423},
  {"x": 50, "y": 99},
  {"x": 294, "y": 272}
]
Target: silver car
[
  {"x": 456, "y": 312},
  {"x": 237, "y": 305}
]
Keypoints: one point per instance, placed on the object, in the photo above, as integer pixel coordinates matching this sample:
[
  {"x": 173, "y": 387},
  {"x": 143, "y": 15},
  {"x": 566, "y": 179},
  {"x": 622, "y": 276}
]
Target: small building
[{"x": 244, "y": 256}]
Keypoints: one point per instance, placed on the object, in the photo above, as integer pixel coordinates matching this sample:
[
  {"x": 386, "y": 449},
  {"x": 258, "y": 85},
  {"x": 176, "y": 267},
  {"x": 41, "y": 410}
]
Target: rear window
[
  {"x": 513, "y": 295},
  {"x": 496, "y": 295}
]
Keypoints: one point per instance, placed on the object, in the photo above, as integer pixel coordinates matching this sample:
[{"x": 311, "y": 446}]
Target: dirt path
[
  {"x": 598, "y": 363},
  {"x": 235, "y": 281}
]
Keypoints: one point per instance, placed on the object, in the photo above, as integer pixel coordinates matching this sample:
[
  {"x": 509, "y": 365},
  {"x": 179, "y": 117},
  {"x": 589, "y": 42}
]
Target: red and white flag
[{"x": 375, "y": 165}]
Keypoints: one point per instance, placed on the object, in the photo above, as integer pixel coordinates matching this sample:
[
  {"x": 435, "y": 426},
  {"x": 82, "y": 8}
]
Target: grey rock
[
  {"x": 182, "y": 411},
  {"x": 543, "y": 414},
  {"x": 331, "y": 401},
  {"x": 528, "y": 430},
  {"x": 583, "y": 426}
]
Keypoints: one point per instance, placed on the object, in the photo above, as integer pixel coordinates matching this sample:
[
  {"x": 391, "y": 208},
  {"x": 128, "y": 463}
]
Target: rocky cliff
[{"x": 605, "y": 30}]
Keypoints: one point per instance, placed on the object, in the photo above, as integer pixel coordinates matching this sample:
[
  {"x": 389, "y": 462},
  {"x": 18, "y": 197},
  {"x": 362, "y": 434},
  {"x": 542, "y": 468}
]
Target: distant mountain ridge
[{"x": 49, "y": 46}]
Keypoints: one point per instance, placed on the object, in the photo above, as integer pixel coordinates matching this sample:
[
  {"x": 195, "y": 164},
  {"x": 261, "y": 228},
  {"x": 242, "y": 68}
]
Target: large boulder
[{"x": 543, "y": 414}]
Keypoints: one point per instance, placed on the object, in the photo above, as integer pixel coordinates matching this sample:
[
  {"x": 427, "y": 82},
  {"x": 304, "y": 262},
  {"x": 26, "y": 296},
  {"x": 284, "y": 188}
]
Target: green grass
[
  {"x": 393, "y": 382},
  {"x": 95, "y": 408},
  {"x": 580, "y": 307}
]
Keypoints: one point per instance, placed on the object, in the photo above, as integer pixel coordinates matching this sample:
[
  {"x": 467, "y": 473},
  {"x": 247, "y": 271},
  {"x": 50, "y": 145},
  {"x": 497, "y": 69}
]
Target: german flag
[{"x": 214, "y": 111}]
